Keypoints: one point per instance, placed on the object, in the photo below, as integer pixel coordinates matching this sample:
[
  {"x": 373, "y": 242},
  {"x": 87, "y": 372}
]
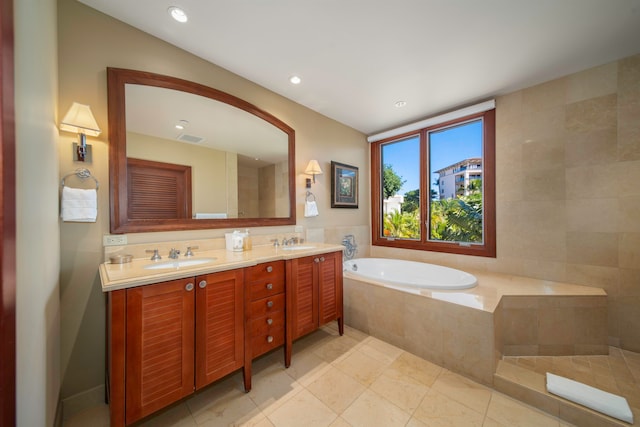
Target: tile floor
[
  {"x": 618, "y": 372},
  {"x": 353, "y": 380}
]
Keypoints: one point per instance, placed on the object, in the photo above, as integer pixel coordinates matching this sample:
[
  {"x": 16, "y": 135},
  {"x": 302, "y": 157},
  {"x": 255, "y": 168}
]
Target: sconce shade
[
  {"x": 313, "y": 168},
  {"x": 79, "y": 119}
]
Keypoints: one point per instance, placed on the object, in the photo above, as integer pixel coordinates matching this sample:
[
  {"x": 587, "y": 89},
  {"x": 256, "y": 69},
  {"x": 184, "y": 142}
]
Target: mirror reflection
[{"x": 186, "y": 156}]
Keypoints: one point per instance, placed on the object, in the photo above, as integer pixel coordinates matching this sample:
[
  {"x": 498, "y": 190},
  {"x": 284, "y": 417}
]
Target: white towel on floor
[
  {"x": 310, "y": 208},
  {"x": 79, "y": 205},
  {"x": 591, "y": 397}
]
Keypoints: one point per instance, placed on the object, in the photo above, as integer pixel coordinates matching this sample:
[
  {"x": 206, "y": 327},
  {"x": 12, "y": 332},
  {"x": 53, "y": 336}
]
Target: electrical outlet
[
  {"x": 298, "y": 229},
  {"x": 114, "y": 239}
]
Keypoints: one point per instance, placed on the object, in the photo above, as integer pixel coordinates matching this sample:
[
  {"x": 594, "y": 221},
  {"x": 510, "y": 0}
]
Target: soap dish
[{"x": 120, "y": 259}]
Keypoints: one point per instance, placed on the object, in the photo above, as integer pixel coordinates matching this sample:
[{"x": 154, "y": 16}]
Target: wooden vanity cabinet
[
  {"x": 171, "y": 338},
  {"x": 219, "y": 325},
  {"x": 265, "y": 311},
  {"x": 159, "y": 350},
  {"x": 314, "y": 295}
]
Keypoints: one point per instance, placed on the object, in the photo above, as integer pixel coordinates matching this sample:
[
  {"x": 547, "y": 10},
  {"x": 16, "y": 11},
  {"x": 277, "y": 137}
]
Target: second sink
[{"x": 178, "y": 263}]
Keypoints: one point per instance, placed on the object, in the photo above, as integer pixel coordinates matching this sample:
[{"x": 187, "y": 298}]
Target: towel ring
[
  {"x": 82, "y": 174},
  {"x": 310, "y": 194}
]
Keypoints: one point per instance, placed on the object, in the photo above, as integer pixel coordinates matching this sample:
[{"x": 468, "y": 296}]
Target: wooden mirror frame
[{"x": 117, "y": 78}]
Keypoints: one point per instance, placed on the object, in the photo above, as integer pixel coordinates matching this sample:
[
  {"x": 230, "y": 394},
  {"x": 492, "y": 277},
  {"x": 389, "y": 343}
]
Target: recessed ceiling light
[
  {"x": 178, "y": 14},
  {"x": 181, "y": 124},
  {"x": 400, "y": 104},
  {"x": 295, "y": 80}
]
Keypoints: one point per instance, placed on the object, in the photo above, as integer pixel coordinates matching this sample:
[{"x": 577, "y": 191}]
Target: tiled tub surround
[{"x": 469, "y": 331}]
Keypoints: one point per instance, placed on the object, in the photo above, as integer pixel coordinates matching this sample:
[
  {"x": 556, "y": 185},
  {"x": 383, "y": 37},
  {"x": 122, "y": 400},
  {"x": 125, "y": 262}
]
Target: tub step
[{"x": 530, "y": 387}]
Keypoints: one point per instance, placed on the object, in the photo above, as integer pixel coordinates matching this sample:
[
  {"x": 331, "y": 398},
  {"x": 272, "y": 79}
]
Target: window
[{"x": 434, "y": 188}]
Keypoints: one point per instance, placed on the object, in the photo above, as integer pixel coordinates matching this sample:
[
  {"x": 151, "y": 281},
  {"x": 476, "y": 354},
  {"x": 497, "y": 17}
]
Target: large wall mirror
[{"x": 185, "y": 156}]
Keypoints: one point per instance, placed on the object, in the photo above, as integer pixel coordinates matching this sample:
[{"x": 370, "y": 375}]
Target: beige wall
[
  {"x": 568, "y": 198},
  {"x": 37, "y": 245},
  {"x": 105, "y": 42}
]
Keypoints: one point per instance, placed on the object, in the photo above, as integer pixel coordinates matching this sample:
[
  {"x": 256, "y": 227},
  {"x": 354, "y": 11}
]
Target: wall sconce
[
  {"x": 313, "y": 168},
  {"x": 80, "y": 120}
]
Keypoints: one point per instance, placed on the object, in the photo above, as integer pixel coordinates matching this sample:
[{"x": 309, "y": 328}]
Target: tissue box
[{"x": 234, "y": 241}]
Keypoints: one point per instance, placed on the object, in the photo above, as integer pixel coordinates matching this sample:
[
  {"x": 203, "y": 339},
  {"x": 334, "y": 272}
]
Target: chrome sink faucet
[
  {"x": 174, "y": 253},
  {"x": 156, "y": 256},
  {"x": 189, "y": 252},
  {"x": 291, "y": 241}
]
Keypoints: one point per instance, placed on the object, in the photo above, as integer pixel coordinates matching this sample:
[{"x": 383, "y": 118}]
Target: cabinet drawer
[
  {"x": 265, "y": 271},
  {"x": 267, "y": 305},
  {"x": 262, "y": 343},
  {"x": 265, "y": 287},
  {"x": 269, "y": 324}
]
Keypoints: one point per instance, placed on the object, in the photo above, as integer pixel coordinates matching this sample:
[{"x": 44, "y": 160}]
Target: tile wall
[{"x": 568, "y": 198}]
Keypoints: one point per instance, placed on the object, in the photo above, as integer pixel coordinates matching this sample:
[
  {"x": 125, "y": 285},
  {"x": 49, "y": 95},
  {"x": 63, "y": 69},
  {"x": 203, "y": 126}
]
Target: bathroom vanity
[{"x": 176, "y": 329}]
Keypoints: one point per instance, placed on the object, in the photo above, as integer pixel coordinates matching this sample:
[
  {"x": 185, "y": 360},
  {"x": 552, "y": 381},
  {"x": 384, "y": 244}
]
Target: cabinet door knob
[
  {"x": 269, "y": 304},
  {"x": 321, "y": 259},
  {"x": 316, "y": 260},
  {"x": 269, "y": 286},
  {"x": 269, "y": 321},
  {"x": 269, "y": 269},
  {"x": 269, "y": 338},
  {"x": 189, "y": 287},
  {"x": 202, "y": 284}
]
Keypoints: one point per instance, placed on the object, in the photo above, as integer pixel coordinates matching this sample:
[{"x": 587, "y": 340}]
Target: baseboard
[{"x": 77, "y": 403}]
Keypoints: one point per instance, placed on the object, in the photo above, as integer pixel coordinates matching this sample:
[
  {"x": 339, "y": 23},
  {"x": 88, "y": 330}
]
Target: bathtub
[{"x": 410, "y": 274}]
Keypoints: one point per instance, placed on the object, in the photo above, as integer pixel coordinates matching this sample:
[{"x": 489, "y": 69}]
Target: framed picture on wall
[{"x": 344, "y": 186}]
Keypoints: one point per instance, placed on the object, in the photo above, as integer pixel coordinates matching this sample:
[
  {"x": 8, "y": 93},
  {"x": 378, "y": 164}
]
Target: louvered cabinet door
[
  {"x": 219, "y": 325},
  {"x": 330, "y": 287},
  {"x": 159, "y": 346},
  {"x": 303, "y": 292}
]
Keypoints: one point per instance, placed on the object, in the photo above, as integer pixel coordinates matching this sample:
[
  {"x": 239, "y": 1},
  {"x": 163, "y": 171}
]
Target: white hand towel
[
  {"x": 591, "y": 397},
  {"x": 79, "y": 205},
  {"x": 310, "y": 208}
]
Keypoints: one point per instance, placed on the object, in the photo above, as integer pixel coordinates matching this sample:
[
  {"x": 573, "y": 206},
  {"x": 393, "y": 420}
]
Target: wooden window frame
[{"x": 488, "y": 247}]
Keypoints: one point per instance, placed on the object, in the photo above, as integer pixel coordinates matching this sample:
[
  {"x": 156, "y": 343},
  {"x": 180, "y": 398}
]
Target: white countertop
[{"x": 122, "y": 276}]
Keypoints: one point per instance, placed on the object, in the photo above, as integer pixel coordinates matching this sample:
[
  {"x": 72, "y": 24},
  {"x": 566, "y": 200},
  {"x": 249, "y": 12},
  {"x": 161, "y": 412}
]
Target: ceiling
[
  {"x": 154, "y": 111},
  {"x": 357, "y": 58}
]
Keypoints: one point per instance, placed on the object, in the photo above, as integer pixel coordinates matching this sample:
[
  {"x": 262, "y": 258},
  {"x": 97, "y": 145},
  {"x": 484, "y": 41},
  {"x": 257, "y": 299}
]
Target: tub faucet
[
  {"x": 349, "y": 242},
  {"x": 174, "y": 253}
]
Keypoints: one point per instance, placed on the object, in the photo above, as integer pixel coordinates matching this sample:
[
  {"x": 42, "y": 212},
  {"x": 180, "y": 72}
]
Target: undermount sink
[
  {"x": 297, "y": 248},
  {"x": 178, "y": 263}
]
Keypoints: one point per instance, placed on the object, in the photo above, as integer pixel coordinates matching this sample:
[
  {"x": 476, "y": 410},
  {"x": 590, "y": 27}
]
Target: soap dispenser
[{"x": 247, "y": 240}]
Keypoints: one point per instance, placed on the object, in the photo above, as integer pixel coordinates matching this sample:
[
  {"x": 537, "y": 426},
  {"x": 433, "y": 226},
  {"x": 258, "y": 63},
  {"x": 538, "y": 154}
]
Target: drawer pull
[
  {"x": 269, "y": 304},
  {"x": 321, "y": 259},
  {"x": 189, "y": 287},
  {"x": 269, "y": 269},
  {"x": 269, "y": 286},
  {"x": 316, "y": 260},
  {"x": 269, "y": 338},
  {"x": 202, "y": 284},
  {"x": 269, "y": 321}
]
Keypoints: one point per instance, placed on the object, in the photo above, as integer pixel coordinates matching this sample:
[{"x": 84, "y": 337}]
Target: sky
[{"x": 446, "y": 147}]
